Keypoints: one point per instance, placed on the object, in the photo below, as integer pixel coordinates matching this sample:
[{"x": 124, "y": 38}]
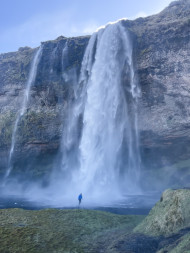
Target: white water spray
[
  {"x": 110, "y": 127},
  {"x": 107, "y": 153},
  {"x": 30, "y": 81},
  {"x": 100, "y": 142}
]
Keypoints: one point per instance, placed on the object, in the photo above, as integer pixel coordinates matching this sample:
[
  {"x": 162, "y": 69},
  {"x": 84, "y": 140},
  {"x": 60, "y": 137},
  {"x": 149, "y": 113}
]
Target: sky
[{"x": 27, "y": 23}]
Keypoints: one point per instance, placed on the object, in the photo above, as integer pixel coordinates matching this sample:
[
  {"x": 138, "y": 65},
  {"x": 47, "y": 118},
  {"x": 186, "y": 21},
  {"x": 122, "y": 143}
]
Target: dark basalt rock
[
  {"x": 162, "y": 57},
  {"x": 138, "y": 243},
  {"x": 162, "y": 61},
  {"x": 40, "y": 129}
]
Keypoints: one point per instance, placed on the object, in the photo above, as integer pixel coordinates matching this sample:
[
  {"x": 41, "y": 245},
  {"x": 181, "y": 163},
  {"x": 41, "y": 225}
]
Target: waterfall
[
  {"x": 106, "y": 144},
  {"x": 70, "y": 131},
  {"x": 109, "y": 152},
  {"x": 30, "y": 81}
]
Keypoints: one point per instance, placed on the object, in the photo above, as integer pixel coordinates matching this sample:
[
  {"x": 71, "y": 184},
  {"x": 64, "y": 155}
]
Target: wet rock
[
  {"x": 40, "y": 128},
  {"x": 162, "y": 61}
]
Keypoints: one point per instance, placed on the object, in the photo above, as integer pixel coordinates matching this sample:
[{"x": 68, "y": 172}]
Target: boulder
[{"x": 169, "y": 215}]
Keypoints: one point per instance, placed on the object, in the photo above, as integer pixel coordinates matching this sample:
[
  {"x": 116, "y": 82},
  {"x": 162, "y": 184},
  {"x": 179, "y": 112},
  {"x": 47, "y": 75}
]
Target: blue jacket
[{"x": 80, "y": 197}]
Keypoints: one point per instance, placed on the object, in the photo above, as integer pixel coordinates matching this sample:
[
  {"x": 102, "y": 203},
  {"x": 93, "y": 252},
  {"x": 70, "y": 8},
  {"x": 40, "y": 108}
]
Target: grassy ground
[
  {"x": 83, "y": 231},
  {"x": 55, "y": 230}
]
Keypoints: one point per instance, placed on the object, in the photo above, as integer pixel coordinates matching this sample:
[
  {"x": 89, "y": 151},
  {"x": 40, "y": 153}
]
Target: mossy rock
[
  {"x": 6, "y": 127},
  {"x": 169, "y": 215}
]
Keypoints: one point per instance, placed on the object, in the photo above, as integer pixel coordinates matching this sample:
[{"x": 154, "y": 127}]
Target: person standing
[{"x": 80, "y": 198}]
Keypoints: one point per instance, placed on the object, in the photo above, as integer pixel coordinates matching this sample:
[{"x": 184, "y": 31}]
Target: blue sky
[{"x": 27, "y": 23}]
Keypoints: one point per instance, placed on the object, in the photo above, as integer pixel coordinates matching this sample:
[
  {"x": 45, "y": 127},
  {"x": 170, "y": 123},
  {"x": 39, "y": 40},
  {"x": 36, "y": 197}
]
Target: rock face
[
  {"x": 169, "y": 215},
  {"x": 40, "y": 129},
  {"x": 162, "y": 60},
  {"x": 162, "y": 56}
]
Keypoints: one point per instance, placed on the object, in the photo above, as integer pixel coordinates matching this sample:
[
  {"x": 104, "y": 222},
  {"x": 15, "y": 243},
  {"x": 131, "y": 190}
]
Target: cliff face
[
  {"x": 40, "y": 129},
  {"x": 161, "y": 48},
  {"x": 162, "y": 53}
]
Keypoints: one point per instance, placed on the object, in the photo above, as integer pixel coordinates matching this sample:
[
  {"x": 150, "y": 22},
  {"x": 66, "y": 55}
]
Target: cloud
[
  {"x": 49, "y": 26},
  {"x": 37, "y": 29},
  {"x": 45, "y": 27},
  {"x": 83, "y": 28},
  {"x": 90, "y": 28}
]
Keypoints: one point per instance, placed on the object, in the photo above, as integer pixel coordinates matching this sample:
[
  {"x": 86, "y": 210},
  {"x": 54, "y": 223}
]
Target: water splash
[
  {"x": 102, "y": 122},
  {"x": 30, "y": 81},
  {"x": 110, "y": 129},
  {"x": 70, "y": 132},
  {"x": 100, "y": 154}
]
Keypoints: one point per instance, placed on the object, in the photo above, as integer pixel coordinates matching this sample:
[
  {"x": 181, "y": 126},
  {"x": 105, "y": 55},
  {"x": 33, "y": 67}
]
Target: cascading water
[
  {"x": 106, "y": 158},
  {"x": 99, "y": 153},
  {"x": 109, "y": 132},
  {"x": 31, "y": 79},
  {"x": 69, "y": 137}
]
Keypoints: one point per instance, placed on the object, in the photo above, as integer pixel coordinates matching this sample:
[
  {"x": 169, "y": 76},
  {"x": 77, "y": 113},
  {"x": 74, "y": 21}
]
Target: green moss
[
  {"x": 183, "y": 246},
  {"x": 169, "y": 215},
  {"x": 59, "y": 230},
  {"x": 6, "y": 127},
  {"x": 34, "y": 125},
  {"x": 14, "y": 67},
  {"x": 145, "y": 51}
]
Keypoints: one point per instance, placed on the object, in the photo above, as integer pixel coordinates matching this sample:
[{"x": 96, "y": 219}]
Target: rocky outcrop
[
  {"x": 165, "y": 229},
  {"x": 169, "y": 215},
  {"x": 162, "y": 60}
]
